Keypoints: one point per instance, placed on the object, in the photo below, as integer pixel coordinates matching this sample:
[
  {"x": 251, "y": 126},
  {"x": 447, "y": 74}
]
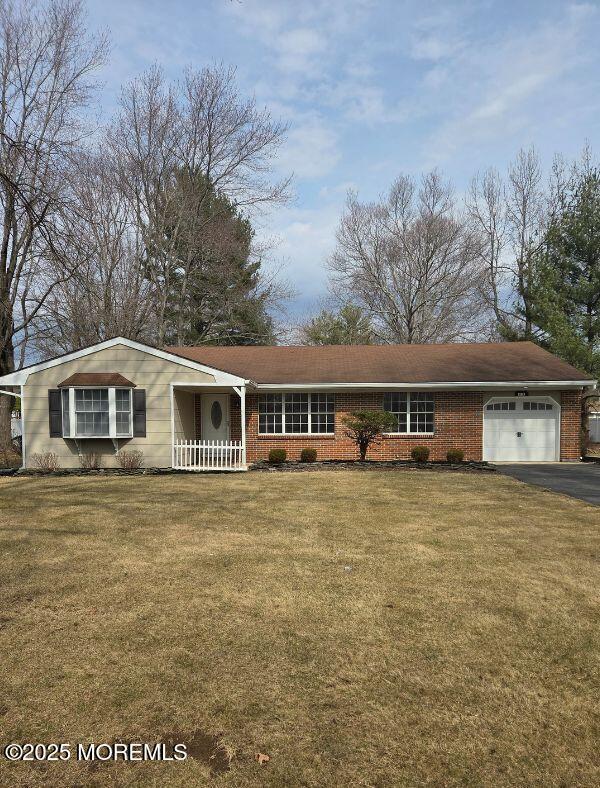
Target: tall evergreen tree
[
  {"x": 567, "y": 290},
  {"x": 350, "y": 326},
  {"x": 217, "y": 292}
]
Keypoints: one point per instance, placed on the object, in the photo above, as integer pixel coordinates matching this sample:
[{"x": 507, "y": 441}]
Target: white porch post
[
  {"x": 243, "y": 418},
  {"x": 172, "y": 399}
]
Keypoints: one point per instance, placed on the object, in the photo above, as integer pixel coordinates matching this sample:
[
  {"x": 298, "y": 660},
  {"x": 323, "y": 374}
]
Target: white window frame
[
  {"x": 112, "y": 413},
  {"x": 282, "y": 394},
  {"x": 408, "y": 431}
]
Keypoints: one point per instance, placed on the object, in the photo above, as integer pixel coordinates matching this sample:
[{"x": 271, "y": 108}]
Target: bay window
[
  {"x": 96, "y": 412},
  {"x": 413, "y": 410},
  {"x": 296, "y": 413}
]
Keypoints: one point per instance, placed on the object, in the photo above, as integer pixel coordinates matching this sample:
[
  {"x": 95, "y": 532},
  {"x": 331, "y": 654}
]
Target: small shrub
[
  {"x": 46, "y": 462},
  {"x": 455, "y": 455},
  {"x": 420, "y": 453},
  {"x": 308, "y": 455},
  {"x": 90, "y": 461},
  {"x": 366, "y": 427},
  {"x": 130, "y": 460},
  {"x": 277, "y": 456}
]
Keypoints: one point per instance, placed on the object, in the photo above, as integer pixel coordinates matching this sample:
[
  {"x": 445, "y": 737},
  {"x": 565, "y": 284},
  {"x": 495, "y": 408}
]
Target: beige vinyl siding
[
  {"x": 147, "y": 371},
  {"x": 185, "y": 428}
]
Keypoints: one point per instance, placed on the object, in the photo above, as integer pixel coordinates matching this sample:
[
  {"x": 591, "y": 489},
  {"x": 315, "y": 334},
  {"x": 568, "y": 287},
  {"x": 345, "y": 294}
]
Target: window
[
  {"x": 421, "y": 412},
  {"x": 413, "y": 410},
  {"x": 322, "y": 413},
  {"x": 511, "y": 405},
  {"x": 96, "y": 412},
  {"x": 528, "y": 405},
  {"x": 296, "y": 414},
  {"x": 91, "y": 413},
  {"x": 270, "y": 413},
  {"x": 396, "y": 403},
  {"x": 216, "y": 414},
  {"x": 123, "y": 411}
]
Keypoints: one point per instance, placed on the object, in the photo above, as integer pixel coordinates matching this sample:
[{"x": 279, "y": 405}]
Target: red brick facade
[
  {"x": 458, "y": 419},
  {"x": 458, "y": 425},
  {"x": 570, "y": 425}
]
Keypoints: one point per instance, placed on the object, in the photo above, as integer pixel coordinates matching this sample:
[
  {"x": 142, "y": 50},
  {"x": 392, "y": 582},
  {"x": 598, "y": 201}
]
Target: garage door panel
[{"x": 515, "y": 434}]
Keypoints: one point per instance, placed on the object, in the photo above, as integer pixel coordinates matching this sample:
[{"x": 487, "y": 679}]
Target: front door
[{"x": 215, "y": 417}]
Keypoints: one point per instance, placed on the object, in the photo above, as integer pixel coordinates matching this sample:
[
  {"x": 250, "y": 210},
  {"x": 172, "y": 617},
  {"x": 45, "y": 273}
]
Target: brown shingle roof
[
  {"x": 455, "y": 363},
  {"x": 96, "y": 379}
]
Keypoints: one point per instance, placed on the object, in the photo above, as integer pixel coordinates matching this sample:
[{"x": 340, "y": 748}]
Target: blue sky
[{"x": 375, "y": 88}]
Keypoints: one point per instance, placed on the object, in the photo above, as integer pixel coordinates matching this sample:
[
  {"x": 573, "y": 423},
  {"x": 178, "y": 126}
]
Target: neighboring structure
[
  {"x": 591, "y": 422},
  {"x": 15, "y": 425},
  {"x": 224, "y": 407}
]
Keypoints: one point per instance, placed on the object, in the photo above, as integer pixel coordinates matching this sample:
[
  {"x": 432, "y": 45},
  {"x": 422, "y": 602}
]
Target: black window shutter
[
  {"x": 55, "y": 413},
  {"x": 139, "y": 413}
]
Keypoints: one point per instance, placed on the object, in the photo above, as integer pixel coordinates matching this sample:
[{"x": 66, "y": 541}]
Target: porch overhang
[{"x": 191, "y": 453}]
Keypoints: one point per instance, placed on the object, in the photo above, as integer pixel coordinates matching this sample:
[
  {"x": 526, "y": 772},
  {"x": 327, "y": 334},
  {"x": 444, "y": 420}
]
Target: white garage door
[{"x": 520, "y": 429}]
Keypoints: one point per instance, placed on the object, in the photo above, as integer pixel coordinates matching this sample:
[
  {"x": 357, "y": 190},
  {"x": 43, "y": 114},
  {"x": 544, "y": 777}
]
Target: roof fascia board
[
  {"x": 407, "y": 386},
  {"x": 20, "y": 377}
]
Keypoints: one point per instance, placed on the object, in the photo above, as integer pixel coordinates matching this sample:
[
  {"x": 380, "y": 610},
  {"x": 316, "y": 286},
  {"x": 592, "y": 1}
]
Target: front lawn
[{"x": 376, "y": 628}]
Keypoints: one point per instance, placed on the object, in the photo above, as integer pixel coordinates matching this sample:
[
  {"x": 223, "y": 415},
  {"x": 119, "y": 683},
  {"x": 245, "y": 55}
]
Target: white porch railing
[{"x": 208, "y": 456}]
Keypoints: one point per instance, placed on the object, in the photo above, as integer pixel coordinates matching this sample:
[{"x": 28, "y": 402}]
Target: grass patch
[{"x": 361, "y": 629}]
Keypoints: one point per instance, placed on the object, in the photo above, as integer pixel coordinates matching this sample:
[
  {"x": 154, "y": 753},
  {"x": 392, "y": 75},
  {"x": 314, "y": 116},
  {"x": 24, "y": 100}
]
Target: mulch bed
[
  {"x": 94, "y": 472},
  {"x": 374, "y": 465},
  {"x": 266, "y": 467}
]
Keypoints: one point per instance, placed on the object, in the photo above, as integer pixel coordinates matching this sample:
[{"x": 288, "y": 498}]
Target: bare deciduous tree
[
  {"x": 108, "y": 294},
  {"x": 413, "y": 262},
  {"x": 205, "y": 128},
  {"x": 510, "y": 214},
  {"x": 46, "y": 62}
]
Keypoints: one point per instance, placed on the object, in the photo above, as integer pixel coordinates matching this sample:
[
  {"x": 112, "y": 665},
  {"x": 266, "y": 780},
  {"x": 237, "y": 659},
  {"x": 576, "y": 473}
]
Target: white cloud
[
  {"x": 299, "y": 50},
  {"x": 306, "y": 238},
  {"x": 433, "y": 47},
  {"x": 509, "y": 83},
  {"x": 311, "y": 150}
]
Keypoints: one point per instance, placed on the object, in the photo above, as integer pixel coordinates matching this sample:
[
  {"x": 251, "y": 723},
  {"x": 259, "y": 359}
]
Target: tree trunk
[
  {"x": 7, "y": 365},
  {"x": 362, "y": 447}
]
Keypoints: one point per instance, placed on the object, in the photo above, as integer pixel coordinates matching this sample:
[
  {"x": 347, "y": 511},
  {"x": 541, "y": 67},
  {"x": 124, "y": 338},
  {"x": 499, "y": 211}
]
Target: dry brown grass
[{"x": 376, "y": 629}]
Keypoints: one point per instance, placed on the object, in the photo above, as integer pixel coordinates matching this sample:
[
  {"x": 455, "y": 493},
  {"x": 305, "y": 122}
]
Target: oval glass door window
[{"x": 216, "y": 414}]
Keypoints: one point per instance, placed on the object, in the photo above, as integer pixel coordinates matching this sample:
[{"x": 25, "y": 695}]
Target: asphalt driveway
[{"x": 578, "y": 479}]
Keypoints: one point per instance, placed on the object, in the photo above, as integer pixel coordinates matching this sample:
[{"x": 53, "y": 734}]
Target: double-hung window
[
  {"x": 414, "y": 411},
  {"x": 123, "y": 412},
  {"x": 322, "y": 413},
  {"x": 296, "y": 413},
  {"x": 96, "y": 412},
  {"x": 91, "y": 413},
  {"x": 270, "y": 411}
]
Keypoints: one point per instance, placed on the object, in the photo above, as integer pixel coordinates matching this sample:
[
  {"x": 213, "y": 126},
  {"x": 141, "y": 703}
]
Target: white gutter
[{"x": 478, "y": 385}]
